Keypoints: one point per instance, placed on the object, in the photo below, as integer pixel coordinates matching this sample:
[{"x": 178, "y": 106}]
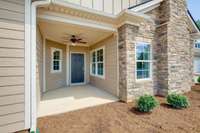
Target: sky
[{"x": 194, "y": 7}]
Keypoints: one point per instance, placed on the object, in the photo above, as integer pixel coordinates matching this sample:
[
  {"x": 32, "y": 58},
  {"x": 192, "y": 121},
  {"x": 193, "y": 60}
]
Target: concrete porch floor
[{"x": 72, "y": 98}]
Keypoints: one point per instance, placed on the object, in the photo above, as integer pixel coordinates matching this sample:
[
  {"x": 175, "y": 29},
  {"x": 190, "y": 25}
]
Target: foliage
[
  {"x": 198, "y": 79},
  {"x": 37, "y": 131},
  {"x": 147, "y": 103},
  {"x": 177, "y": 101}
]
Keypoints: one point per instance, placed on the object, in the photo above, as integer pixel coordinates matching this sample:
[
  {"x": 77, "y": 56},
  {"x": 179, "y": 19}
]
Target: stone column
[
  {"x": 174, "y": 48},
  {"x": 126, "y": 46}
]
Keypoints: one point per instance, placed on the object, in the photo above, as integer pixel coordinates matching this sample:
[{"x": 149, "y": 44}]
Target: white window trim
[
  {"x": 150, "y": 61},
  {"x": 96, "y": 74},
  {"x": 61, "y": 58}
]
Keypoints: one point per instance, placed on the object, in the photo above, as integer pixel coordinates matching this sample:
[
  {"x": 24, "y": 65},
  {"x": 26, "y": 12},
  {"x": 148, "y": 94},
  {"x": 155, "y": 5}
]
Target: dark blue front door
[{"x": 77, "y": 68}]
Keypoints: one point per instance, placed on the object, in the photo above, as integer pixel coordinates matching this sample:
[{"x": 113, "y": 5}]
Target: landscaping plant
[
  {"x": 198, "y": 79},
  {"x": 177, "y": 101},
  {"x": 147, "y": 103}
]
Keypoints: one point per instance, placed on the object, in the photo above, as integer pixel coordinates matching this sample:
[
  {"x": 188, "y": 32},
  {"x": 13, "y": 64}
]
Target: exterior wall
[
  {"x": 39, "y": 67},
  {"x": 129, "y": 36},
  {"x": 86, "y": 51},
  {"x": 175, "y": 47},
  {"x": 108, "y": 6},
  {"x": 172, "y": 53},
  {"x": 110, "y": 83},
  {"x": 55, "y": 80},
  {"x": 12, "y": 110}
]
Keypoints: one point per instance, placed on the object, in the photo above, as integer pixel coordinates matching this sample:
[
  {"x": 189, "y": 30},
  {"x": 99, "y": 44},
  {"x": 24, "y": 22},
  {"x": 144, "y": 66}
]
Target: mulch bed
[{"x": 124, "y": 118}]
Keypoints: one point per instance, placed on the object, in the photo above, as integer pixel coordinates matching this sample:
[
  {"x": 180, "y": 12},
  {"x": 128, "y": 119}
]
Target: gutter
[
  {"x": 139, "y": 4},
  {"x": 192, "y": 18}
]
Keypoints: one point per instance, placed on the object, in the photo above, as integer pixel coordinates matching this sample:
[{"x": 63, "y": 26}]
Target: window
[
  {"x": 196, "y": 65},
  {"x": 56, "y": 63},
  {"x": 143, "y": 61},
  {"x": 197, "y": 45},
  {"x": 97, "y": 62}
]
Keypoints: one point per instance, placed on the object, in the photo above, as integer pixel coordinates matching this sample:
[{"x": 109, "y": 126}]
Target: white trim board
[
  {"x": 27, "y": 78},
  {"x": 147, "y": 6},
  {"x": 52, "y": 16},
  {"x": 33, "y": 93},
  {"x": 44, "y": 64},
  {"x": 84, "y": 54}
]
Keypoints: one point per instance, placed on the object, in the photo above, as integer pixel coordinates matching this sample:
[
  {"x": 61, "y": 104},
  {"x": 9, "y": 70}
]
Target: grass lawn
[{"x": 123, "y": 118}]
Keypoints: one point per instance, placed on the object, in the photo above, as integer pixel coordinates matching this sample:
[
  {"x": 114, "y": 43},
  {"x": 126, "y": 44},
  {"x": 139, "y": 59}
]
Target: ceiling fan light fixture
[{"x": 73, "y": 44}]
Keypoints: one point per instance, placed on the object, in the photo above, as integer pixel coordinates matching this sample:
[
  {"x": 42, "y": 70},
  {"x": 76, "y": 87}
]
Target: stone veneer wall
[
  {"x": 172, "y": 53},
  {"x": 175, "y": 65},
  {"x": 129, "y": 35}
]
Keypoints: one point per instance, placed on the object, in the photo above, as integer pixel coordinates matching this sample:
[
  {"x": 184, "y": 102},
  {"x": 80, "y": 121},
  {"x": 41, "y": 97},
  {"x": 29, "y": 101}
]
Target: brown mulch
[{"x": 124, "y": 118}]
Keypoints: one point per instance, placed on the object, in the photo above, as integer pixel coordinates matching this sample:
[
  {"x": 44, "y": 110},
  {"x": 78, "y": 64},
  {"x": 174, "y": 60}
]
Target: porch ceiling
[{"x": 58, "y": 31}]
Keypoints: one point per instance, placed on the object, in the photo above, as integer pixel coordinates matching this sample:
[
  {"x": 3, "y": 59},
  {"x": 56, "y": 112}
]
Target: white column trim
[
  {"x": 33, "y": 70},
  {"x": 67, "y": 65},
  {"x": 44, "y": 64},
  {"x": 27, "y": 63},
  {"x": 33, "y": 92}
]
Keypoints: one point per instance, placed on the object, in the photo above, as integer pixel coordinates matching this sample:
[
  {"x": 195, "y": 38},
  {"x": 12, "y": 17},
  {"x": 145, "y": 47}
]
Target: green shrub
[
  {"x": 147, "y": 103},
  {"x": 177, "y": 101},
  {"x": 198, "y": 79}
]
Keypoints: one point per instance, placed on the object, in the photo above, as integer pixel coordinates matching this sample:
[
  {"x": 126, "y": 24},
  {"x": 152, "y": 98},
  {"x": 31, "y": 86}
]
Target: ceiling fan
[{"x": 74, "y": 40}]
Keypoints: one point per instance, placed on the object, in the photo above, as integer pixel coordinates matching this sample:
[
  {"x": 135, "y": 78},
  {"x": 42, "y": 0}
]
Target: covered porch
[{"x": 76, "y": 63}]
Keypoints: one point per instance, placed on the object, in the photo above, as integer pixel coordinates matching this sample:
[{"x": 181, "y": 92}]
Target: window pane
[
  {"x": 143, "y": 52},
  {"x": 139, "y": 74},
  {"x": 56, "y": 55},
  {"x": 143, "y": 66},
  {"x": 93, "y": 68},
  {"x": 146, "y": 56},
  {"x": 146, "y": 65},
  {"x": 94, "y": 57},
  {"x": 146, "y": 48},
  {"x": 139, "y": 66},
  {"x": 139, "y": 56},
  {"x": 146, "y": 74},
  {"x": 100, "y": 55},
  {"x": 139, "y": 48},
  {"x": 56, "y": 65},
  {"x": 100, "y": 68}
]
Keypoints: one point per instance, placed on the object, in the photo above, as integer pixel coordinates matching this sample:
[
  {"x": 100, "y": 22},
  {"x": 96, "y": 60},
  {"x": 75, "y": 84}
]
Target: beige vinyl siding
[
  {"x": 58, "y": 79},
  {"x": 11, "y": 65},
  {"x": 110, "y": 82}
]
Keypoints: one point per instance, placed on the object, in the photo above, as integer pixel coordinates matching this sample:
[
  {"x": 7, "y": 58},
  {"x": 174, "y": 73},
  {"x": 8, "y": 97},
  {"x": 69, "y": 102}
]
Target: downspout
[{"x": 33, "y": 95}]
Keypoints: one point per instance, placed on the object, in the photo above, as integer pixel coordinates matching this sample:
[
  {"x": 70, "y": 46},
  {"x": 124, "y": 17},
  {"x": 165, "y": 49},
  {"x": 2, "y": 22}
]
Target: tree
[{"x": 198, "y": 23}]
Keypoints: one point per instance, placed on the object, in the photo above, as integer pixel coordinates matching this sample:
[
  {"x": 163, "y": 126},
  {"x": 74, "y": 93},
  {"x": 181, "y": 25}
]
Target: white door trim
[{"x": 84, "y": 54}]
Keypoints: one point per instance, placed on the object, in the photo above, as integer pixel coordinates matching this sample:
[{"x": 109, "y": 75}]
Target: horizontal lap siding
[
  {"x": 110, "y": 82},
  {"x": 11, "y": 65}
]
